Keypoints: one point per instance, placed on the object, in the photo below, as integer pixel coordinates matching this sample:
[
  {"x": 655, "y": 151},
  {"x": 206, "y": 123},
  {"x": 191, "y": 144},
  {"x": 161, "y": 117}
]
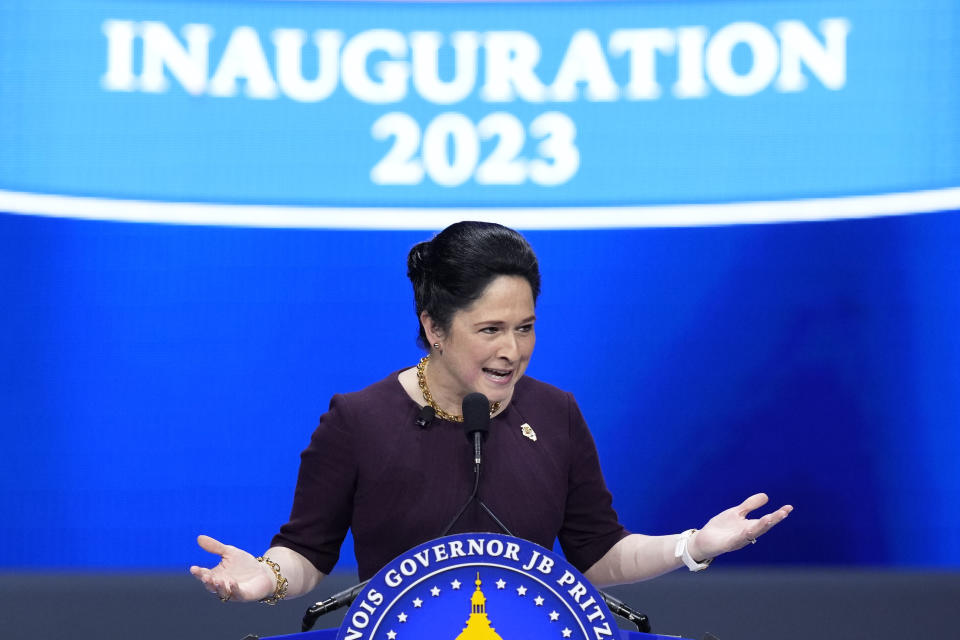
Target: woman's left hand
[{"x": 731, "y": 529}]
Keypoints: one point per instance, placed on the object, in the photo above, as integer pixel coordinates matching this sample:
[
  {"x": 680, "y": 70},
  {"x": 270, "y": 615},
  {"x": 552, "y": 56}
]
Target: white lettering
[
  {"x": 243, "y": 58},
  {"x": 690, "y": 81},
  {"x": 451, "y": 132},
  {"x": 559, "y": 157},
  {"x": 510, "y": 59},
  {"x": 392, "y": 578},
  {"x": 577, "y": 590},
  {"x": 360, "y": 619},
  {"x": 399, "y": 166},
  {"x": 289, "y": 44},
  {"x": 533, "y": 561},
  {"x": 566, "y": 578},
  {"x": 584, "y": 62},
  {"x": 425, "y": 47},
  {"x": 597, "y": 613},
  {"x": 408, "y": 567},
  {"x": 120, "y": 36},
  {"x": 392, "y": 74},
  {"x": 719, "y": 58},
  {"x": 423, "y": 557},
  {"x": 162, "y": 51},
  {"x": 602, "y": 631},
  {"x": 642, "y": 45},
  {"x": 379, "y": 66},
  {"x": 798, "y": 46},
  {"x": 475, "y": 547},
  {"x": 546, "y": 565},
  {"x": 495, "y": 548}
]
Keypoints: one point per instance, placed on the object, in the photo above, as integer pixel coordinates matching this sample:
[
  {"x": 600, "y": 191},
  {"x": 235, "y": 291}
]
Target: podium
[
  {"x": 331, "y": 634},
  {"x": 477, "y": 586}
]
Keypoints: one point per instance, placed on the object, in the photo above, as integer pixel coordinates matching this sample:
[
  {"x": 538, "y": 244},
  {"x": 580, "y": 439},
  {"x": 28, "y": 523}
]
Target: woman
[{"x": 372, "y": 468}]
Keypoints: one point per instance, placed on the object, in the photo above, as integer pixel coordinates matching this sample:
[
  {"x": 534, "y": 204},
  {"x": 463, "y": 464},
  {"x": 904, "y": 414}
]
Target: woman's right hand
[{"x": 238, "y": 576}]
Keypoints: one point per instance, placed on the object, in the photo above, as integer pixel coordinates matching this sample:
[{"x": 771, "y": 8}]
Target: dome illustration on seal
[{"x": 478, "y": 624}]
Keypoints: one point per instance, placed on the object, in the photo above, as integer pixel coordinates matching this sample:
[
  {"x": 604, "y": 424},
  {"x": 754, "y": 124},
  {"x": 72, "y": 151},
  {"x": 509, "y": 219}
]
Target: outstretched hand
[
  {"x": 238, "y": 576},
  {"x": 731, "y": 529}
]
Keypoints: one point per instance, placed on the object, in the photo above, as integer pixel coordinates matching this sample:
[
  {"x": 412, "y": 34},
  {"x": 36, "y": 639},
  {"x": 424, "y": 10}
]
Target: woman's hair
[{"x": 451, "y": 271}]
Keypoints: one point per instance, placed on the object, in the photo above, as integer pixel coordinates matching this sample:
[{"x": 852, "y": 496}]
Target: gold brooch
[{"x": 528, "y": 431}]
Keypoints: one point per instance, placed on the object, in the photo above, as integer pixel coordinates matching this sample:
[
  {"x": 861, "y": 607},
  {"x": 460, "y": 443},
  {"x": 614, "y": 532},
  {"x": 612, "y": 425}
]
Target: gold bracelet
[{"x": 280, "y": 592}]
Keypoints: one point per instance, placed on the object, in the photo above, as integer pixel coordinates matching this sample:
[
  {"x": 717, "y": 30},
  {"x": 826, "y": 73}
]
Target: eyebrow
[{"x": 526, "y": 320}]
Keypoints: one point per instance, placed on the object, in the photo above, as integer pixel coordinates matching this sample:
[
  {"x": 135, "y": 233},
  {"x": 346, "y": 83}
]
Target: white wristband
[{"x": 681, "y": 551}]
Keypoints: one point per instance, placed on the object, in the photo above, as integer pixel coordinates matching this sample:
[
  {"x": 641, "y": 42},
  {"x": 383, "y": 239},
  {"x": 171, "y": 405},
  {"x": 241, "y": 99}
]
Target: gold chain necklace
[{"x": 428, "y": 397}]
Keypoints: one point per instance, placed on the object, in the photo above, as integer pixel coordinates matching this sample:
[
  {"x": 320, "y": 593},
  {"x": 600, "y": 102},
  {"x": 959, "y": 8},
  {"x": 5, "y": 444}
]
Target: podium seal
[{"x": 478, "y": 586}]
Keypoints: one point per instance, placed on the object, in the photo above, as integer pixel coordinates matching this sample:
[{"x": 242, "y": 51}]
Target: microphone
[
  {"x": 476, "y": 421},
  {"x": 334, "y": 602},
  {"x": 620, "y": 609},
  {"x": 426, "y": 416}
]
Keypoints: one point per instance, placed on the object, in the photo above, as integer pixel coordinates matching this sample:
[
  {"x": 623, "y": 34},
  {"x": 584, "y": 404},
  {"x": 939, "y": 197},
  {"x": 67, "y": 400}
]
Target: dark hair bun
[{"x": 417, "y": 261}]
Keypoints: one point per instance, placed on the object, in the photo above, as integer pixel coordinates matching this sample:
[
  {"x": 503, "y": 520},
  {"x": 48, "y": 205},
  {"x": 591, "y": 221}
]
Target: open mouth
[{"x": 498, "y": 374}]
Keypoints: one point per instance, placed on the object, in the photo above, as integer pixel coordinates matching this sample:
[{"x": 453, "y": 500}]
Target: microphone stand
[
  {"x": 334, "y": 602},
  {"x": 474, "y": 496},
  {"x": 621, "y": 609}
]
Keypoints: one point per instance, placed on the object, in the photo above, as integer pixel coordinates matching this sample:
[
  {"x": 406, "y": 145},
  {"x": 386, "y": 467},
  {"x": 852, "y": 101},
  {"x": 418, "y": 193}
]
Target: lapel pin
[{"x": 528, "y": 431}]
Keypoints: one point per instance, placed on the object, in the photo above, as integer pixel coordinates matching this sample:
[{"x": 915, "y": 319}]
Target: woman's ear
[{"x": 432, "y": 329}]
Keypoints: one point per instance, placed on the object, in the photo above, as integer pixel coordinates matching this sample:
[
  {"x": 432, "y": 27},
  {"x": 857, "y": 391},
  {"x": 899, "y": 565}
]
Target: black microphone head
[
  {"x": 476, "y": 415},
  {"x": 427, "y": 414}
]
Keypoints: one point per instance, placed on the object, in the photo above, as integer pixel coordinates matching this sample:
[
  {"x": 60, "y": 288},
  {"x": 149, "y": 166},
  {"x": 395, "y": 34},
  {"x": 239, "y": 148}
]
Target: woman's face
[{"x": 487, "y": 347}]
